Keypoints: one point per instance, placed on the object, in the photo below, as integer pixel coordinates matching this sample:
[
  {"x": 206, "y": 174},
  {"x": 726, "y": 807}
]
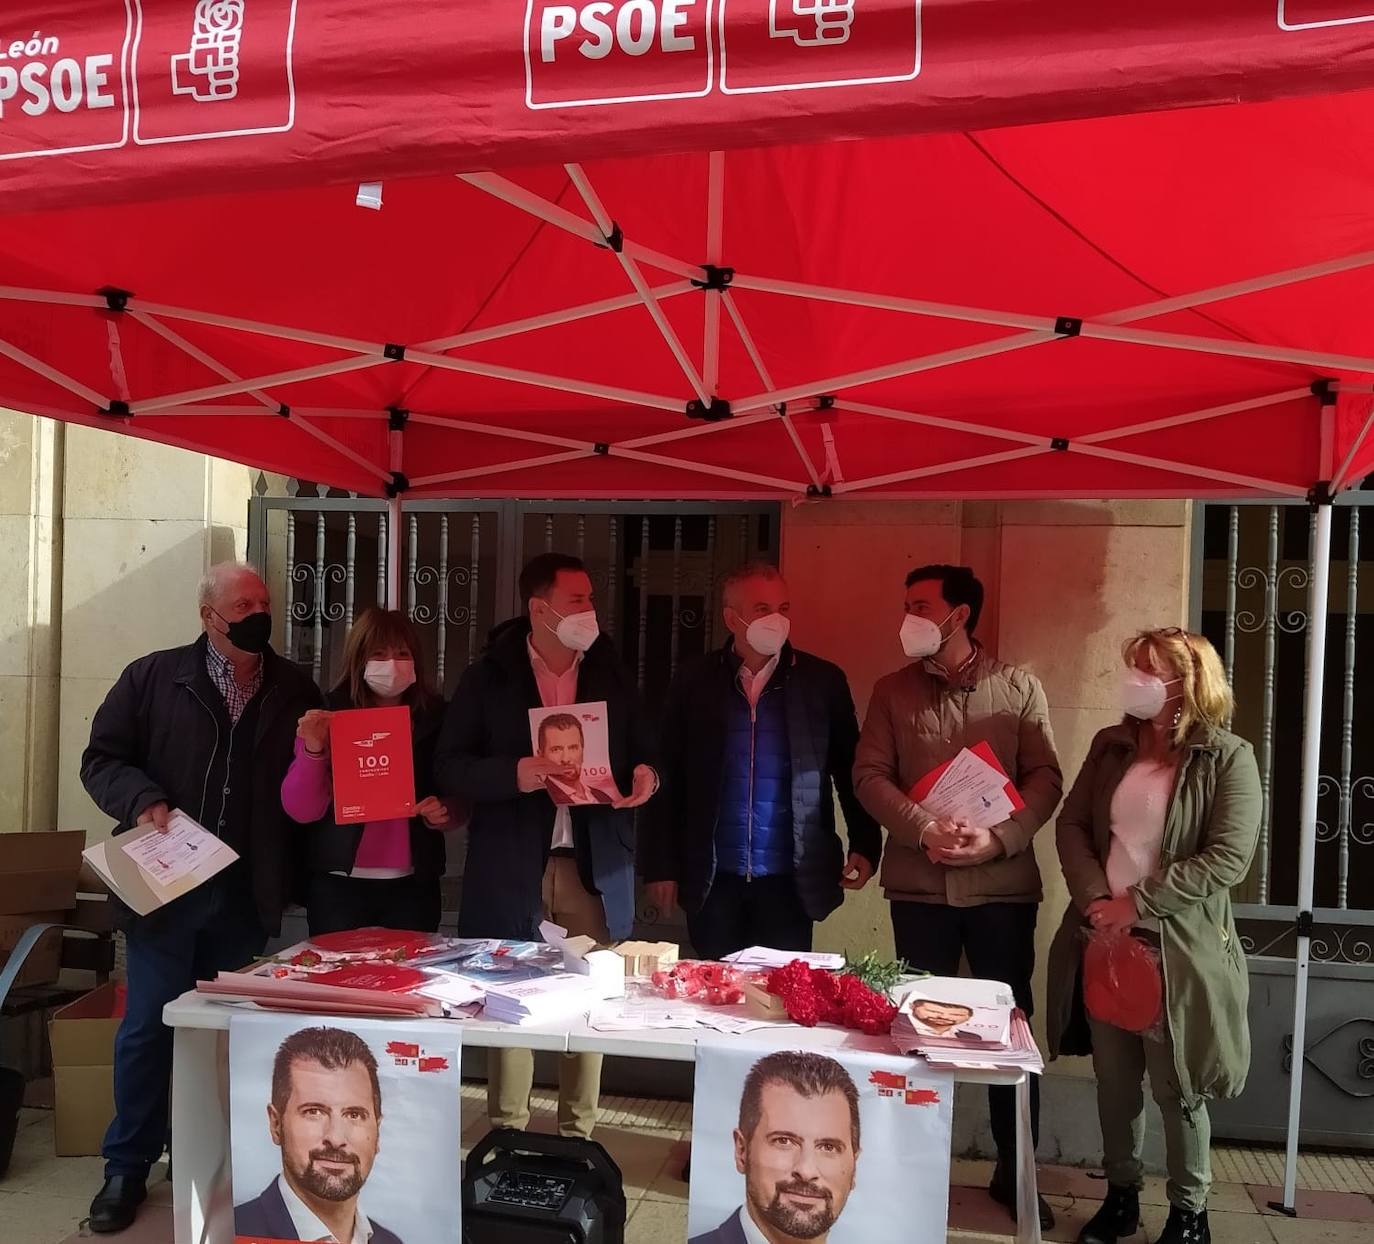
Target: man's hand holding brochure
[{"x": 966, "y": 797}]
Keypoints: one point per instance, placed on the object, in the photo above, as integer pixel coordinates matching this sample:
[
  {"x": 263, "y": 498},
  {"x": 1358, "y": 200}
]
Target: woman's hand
[
  {"x": 313, "y": 730},
  {"x": 1108, "y": 914},
  {"x": 434, "y": 811}
]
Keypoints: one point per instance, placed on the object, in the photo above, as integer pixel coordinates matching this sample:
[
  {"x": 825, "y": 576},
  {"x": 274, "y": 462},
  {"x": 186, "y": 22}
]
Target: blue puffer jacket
[{"x": 754, "y": 825}]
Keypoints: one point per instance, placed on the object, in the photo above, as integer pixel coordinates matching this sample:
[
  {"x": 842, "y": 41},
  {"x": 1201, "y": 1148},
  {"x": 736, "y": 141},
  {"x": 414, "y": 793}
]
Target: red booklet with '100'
[{"x": 374, "y": 771}]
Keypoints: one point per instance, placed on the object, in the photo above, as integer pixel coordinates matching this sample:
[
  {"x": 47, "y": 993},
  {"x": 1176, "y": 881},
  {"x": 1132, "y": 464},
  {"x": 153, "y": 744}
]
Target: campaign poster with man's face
[
  {"x": 574, "y": 739},
  {"x": 842, "y": 1146},
  {"x": 344, "y": 1129}
]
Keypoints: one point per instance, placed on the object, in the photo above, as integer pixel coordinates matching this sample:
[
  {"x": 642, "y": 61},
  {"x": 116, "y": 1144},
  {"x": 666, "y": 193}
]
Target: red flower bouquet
[{"x": 813, "y": 997}]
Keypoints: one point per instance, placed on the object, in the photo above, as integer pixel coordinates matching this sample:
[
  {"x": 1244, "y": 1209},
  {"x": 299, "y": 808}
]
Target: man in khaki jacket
[{"x": 958, "y": 891}]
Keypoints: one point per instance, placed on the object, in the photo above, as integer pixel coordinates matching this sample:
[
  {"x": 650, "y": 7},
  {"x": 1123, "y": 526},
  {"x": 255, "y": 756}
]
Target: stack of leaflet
[
  {"x": 958, "y": 1024},
  {"x": 541, "y": 999}
]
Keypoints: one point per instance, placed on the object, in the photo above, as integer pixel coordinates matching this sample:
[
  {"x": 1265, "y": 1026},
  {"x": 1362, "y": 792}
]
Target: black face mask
[{"x": 251, "y": 634}]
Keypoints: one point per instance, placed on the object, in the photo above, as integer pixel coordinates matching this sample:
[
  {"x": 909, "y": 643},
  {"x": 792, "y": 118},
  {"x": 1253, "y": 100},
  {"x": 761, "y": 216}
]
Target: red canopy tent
[{"x": 614, "y": 257}]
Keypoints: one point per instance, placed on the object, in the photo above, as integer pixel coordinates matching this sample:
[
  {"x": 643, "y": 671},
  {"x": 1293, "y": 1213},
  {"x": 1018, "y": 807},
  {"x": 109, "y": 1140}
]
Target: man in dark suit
[
  {"x": 325, "y": 1116},
  {"x": 797, "y": 1146}
]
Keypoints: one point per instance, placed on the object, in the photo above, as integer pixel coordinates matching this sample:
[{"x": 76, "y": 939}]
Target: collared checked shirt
[{"x": 221, "y": 671}]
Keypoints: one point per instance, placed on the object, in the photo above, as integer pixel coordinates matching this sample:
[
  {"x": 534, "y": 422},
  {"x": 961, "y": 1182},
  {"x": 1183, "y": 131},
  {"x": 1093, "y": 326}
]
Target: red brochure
[{"x": 374, "y": 771}]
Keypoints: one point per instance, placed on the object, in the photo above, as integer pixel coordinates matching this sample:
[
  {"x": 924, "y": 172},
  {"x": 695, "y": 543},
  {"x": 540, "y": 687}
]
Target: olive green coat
[{"x": 1209, "y": 840}]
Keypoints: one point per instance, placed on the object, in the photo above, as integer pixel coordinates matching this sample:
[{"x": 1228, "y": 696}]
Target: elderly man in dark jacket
[
  {"x": 757, "y": 741},
  {"x": 529, "y": 859},
  {"x": 207, "y": 730}
]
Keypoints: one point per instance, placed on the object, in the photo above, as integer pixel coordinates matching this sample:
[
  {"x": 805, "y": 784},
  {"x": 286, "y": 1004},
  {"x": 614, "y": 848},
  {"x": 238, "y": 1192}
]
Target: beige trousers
[{"x": 510, "y": 1073}]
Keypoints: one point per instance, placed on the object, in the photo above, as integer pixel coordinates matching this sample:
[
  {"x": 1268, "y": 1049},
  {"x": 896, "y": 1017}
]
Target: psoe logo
[
  {"x": 811, "y": 23},
  {"x": 209, "y": 70},
  {"x": 1320, "y": 14},
  {"x": 373, "y": 739}
]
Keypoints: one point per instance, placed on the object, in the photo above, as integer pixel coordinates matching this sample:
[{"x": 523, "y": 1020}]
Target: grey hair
[
  {"x": 742, "y": 574},
  {"x": 213, "y": 580}
]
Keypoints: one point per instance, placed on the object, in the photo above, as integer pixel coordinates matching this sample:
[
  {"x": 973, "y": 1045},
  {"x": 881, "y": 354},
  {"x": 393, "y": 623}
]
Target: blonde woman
[{"x": 1159, "y": 826}]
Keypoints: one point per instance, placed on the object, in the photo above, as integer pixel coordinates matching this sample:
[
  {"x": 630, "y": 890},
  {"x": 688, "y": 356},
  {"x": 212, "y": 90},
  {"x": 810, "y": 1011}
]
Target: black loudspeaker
[{"x": 530, "y": 1188}]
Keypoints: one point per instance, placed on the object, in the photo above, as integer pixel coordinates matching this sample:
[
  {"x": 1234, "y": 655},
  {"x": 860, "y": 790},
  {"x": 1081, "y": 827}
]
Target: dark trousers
[
  {"x": 336, "y": 904},
  {"x": 214, "y": 929},
  {"x": 998, "y": 939},
  {"x": 740, "y": 913}
]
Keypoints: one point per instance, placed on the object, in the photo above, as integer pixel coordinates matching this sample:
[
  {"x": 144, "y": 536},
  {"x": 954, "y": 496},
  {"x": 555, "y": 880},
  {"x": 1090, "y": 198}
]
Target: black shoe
[
  {"x": 1118, "y": 1218},
  {"x": 1185, "y": 1226},
  {"x": 1002, "y": 1189},
  {"x": 687, "y": 1171},
  {"x": 116, "y": 1204}
]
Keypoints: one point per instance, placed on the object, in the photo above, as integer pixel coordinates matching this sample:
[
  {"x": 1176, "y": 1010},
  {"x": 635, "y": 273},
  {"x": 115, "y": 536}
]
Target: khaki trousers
[
  {"x": 1121, "y": 1060},
  {"x": 510, "y": 1073}
]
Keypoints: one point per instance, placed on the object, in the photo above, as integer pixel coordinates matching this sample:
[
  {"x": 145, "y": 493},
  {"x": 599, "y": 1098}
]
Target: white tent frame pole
[
  {"x": 1317, "y": 608},
  {"x": 553, "y": 319},
  {"x": 170, "y": 335},
  {"x": 1342, "y": 475},
  {"x": 940, "y": 468},
  {"x": 636, "y": 278},
  {"x": 715, "y": 243},
  {"x": 938, "y": 421},
  {"x": 61, "y": 379},
  {"x": 1268, "y": 486},
  {"x": 702, "y": 468},
  {"x": 695, "y": 430},
  {"x": 255, "y": 412},
  {"x": 234, "y": 387},
  {"x": 499, "y": 468},
  {"x": 1196, "y": 416},
  {"x": 751, "y": 348},
  {"x": 527, "y": 201},
  {"x": 339, "y": 447},
  {"x": 506, "y": 433},
  {"x": 396, "y": 459}
]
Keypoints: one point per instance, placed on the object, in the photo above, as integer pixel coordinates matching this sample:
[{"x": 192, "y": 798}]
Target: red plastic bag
[{"x": 1122, "y": 983}]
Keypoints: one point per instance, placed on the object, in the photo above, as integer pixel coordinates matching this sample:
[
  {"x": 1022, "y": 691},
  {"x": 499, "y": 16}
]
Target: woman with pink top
[{"x": 384, "y": 873}]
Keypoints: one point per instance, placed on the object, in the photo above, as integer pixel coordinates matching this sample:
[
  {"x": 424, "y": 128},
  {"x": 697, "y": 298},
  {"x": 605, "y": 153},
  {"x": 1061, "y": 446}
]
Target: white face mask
[
  {"x": 1144, "y": 695},
  {"x": 767, "y": 635},
  {"x": 921, "y": 637},
  {"x": 390, "y": 678},
  {"x": 577, "y": 631}
]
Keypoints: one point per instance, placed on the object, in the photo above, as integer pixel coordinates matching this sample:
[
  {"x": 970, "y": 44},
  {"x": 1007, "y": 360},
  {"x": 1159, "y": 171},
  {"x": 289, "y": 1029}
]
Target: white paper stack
[
  {"x": 944, "y": 1013},
  {"x": 542, "y": 1000},
  {"x": 766, "y": 957}
]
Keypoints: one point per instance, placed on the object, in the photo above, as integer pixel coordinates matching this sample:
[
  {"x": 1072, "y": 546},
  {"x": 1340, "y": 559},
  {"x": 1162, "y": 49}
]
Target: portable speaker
[{"x": 530, "y": 1188}]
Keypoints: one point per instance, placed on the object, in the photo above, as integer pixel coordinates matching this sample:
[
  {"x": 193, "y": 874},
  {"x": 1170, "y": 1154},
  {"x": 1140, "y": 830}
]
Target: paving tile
[
  {"x": 1226, "y": 1228},
  {"x": 1327, "y": 1206},
  {"x": 37, "y": 1219},
  {"x": 657, "y": 1222},
  {"x": 642, "y": 1156},
  {"x": 1309, "y": 1231},
  {"x": 669, "y": 1185}
]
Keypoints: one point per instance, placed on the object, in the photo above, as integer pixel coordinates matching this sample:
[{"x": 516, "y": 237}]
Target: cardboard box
[
  {"x": 45, "y": 959},
  {"x": 38, "y": 871},
  {"x": 82, "y": 1038},
  {"x": 646, "y": 958}
]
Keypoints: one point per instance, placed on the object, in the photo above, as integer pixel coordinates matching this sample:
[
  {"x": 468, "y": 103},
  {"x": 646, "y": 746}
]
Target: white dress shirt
[
  {"x": 753, "y": 684},
  {"x": 308, "y": 1227},
  {"x": 752, "y": 1234}
]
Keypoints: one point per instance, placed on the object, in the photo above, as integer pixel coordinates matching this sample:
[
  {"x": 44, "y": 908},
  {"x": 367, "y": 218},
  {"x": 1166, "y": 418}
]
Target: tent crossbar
[
  {"x": 703, "y": 468},
  {"x": 939, "y": 468},
  {"x": 536, "y": 205},
  {"x": 232, "y": 387},
  {"x": 553, "y": 319},
  {"x": 17, "y": 293},
  {"x": 1196, "y": 416},
  {"x": 59, "y": 378},
  {"x": 1342, "y": 475},
  {"x": 939, "y": 421},
  {"x": 697, "y": 429},
  {"x": 506, "y": 433},
  {"x": 765, "y": 377},
  {"x": 636, "y": 278},
  {"x": 1255, "y": 483},
  {"x": 563, "y": 384},
  {"x": 174, "y": 338},
  {"x": 715, "y": 244},
  {"x": 888, "y": 302},
  {"x": 893, "y": 371},
  {"x": 340, "y": 448},
  {"x": 262, "y": 328},
  {"x": 498, "y": 468},
  {"x": 1230, "y": 349}
]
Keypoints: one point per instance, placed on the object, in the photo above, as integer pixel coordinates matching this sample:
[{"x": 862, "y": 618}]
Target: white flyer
[
  {"x": 970, "y": 791},
  {"x": 185, "y": 849}
]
